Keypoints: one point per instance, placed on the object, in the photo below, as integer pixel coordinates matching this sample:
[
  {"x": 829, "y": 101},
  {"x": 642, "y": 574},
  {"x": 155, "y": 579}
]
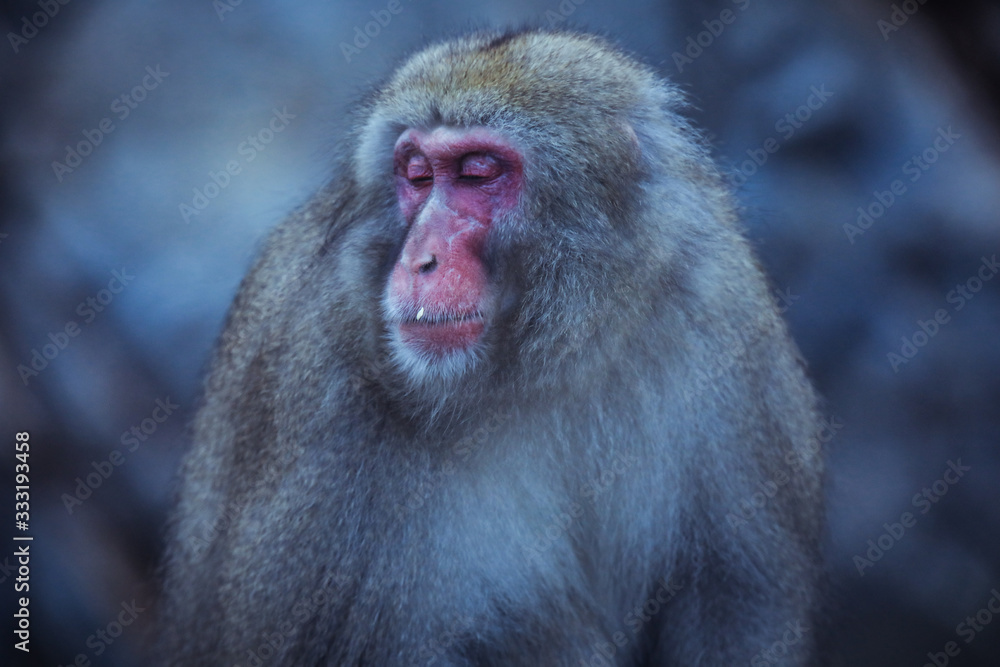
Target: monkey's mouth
[{"x": 438, "y": 334}]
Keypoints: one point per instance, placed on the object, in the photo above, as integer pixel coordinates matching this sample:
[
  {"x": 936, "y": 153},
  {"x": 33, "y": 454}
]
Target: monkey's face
[{"x": 453, "y": 186}]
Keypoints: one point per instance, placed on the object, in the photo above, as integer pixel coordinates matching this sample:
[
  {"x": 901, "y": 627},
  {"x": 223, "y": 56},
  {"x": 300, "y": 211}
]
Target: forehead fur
[
  {"x": 475, "y": 80},
  {"x": 574, "y": 86}
]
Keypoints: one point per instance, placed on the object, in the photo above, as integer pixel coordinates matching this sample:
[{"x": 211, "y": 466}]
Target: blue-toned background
[{"x": 146, "y": 147}]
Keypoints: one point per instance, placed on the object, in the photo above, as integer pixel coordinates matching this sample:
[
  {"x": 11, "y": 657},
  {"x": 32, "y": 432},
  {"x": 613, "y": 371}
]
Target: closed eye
[
  {"x": 477, "y": 167},
  {"x": 418, "y": 170}
]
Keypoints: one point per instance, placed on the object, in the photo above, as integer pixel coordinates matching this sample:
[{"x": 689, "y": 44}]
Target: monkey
[{"x": 492, "y": 395}]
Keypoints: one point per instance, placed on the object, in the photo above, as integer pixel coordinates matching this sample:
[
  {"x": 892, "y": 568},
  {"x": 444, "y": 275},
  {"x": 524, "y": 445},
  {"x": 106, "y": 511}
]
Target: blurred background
[{"x": 146, "y": 147}]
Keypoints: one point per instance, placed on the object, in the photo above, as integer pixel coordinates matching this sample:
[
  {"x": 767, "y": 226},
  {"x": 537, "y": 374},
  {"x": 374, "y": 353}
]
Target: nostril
[{"x": 427, "y": 267}]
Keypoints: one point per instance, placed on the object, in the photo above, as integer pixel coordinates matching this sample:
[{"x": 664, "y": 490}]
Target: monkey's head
[{"x": 530, "y": 173}]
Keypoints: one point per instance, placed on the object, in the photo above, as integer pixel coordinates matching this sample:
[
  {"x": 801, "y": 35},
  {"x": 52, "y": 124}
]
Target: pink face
[{"x": 452, "y": 185}]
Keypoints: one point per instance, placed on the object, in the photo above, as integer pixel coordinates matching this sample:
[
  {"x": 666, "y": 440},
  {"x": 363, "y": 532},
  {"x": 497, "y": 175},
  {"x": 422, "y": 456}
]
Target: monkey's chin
[
  {"x": 440, "y": 339},
  {"x": 440, "y": 351}
]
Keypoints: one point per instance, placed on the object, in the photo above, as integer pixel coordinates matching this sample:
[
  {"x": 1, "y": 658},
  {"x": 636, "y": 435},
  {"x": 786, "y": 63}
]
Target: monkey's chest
[{"x": 449, "y": 558}]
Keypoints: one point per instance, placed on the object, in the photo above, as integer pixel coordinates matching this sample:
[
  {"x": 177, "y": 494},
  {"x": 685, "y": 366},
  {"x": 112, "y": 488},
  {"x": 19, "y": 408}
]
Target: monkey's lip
[{"x": 440, "y": 334}]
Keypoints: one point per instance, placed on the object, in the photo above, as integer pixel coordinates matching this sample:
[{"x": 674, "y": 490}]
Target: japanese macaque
[{"x": 496, "y": 395}]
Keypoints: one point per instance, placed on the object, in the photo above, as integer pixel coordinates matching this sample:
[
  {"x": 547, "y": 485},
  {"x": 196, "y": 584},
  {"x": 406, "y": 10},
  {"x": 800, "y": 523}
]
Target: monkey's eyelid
[
  {"x": 416, "y": 167},
  {"x": 418, "y": 178},
  {"x": 480, "y": 165}
]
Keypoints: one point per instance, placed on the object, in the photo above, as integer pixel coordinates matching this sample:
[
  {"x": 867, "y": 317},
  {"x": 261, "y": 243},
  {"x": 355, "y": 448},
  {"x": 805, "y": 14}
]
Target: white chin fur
[{"x": 421, "y": 367}]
